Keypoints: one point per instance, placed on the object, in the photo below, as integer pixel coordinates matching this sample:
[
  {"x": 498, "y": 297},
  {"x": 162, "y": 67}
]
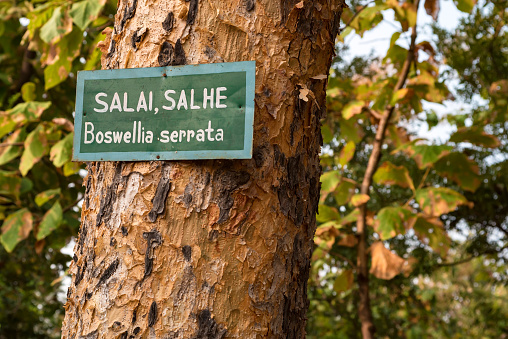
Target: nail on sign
[{"x": 165, "y": 113}]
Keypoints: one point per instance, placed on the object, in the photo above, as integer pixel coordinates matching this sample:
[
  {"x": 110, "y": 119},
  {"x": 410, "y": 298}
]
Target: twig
[
  {"x": 364, "y": 309},
  {"x": 356, "y": 14}
]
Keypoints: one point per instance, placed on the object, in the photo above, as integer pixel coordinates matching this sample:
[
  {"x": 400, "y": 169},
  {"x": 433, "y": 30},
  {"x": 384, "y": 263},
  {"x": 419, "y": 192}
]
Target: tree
[
  {"x": 210, "y": 248},
  {"x": 432, "y": 211}
]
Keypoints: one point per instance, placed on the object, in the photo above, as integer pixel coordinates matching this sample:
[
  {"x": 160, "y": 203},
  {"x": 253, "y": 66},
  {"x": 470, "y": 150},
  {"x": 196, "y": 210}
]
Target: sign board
[{"x": 165, "y": 113}]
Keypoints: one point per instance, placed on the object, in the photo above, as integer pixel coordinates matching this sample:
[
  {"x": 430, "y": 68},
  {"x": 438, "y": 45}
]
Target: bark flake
[
  {"x": 159, "y": 200},
  {"x": 128, "y": 14},
  {"x": 208, "y": 328},
  {"x": 108, "y": 273},
  {"x": 152, "y": 314},
  {"x": 187, "y": 252},
  {"x": 193, "y": 12},
  {"x": 153, "y": 239},
  {"x": 168, "y": 23}
]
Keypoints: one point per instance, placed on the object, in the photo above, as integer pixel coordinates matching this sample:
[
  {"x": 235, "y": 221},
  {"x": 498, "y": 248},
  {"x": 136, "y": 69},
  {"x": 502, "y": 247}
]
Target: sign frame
[{"x": 249, "y": 67}]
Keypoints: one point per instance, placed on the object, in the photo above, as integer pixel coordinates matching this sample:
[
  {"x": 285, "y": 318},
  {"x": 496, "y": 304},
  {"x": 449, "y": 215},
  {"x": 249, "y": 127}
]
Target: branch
[
  {"x": 364, "y": 309},
  {"x": 462, "y": 261}
]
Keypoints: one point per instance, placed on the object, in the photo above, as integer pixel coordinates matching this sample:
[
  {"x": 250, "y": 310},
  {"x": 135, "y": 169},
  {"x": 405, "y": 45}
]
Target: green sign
[{"x": 165, "y": 113}]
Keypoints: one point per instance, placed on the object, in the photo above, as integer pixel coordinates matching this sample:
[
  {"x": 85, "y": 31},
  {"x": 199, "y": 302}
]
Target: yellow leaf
[
  {"x": 385, "y": 264},
  {"x": 359, "y": 199}
]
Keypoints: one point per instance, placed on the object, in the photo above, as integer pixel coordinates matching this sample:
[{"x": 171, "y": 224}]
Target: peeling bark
[{"x": 218, "y": 248}]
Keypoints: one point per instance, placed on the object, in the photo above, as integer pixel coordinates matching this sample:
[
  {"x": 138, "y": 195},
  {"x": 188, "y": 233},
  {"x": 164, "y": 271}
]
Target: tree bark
[{"x": 219, "y": 248}]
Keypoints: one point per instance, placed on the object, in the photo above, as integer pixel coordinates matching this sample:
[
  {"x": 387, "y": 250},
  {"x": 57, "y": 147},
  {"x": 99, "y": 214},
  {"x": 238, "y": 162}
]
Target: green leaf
[
  {"x": 10, "y": 184},
  {"x": 21, "y": 114},
  {"x": 28, "y": 91},
  {"x": 11, "y": 152},
  {"x": 350, "y": 130},
  {"x": 344, "y": 281},
  {"x": 16, "y": 227},
  {"x": 61, "y": 152},
  {"x": 327, "y": 133},
  {"x": 389, "y": 174},
  {"x": 44, "y": 197},
  {"x": 392, "y": 221},
  {"x": 344, "y": 191},
  {"x": 84, "y": 12},
  {"x": 359, "y": 199},
  {"x": 39, "y": 17},
  {"x": 425, "y": 155},
  {"x": 67, "y": 50},
  {"x": 58, "y": 25},
  {"x": 459, "y": 168},
  {"x": 327, "y": 213},
  {"x": 431, "y": 232},
  {"x": 35, "y": 148},
  {"x": 71, "y": 168},
  {"x": 351, "y": 217},
  {"x": 50, "y": 222},
  {"x": 476, "y": 136},
  {"x": 399, "y": 95},
  {"x": 347, "y": 153},
  {"x": 465, "y": 5},
  {"x": 435, "y": 201},
  {"x": 353, "y": 108},
  {"x": 329, "y": 181}
]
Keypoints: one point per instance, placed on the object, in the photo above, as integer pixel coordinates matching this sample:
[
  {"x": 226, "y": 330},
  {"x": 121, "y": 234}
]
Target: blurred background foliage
[
  {"x": 42, "y": 46},
  {"x": 437, "y": 209},
  {"x": 436, "y": 212}
]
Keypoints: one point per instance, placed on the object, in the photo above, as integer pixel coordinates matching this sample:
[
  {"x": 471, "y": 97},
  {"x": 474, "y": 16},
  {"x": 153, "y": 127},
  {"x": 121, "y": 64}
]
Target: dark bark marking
[
  {"x": 88, "y": 295},
  {"x": 107, "y": 202},
  {"x": 250, "y": 5},
  {"x": 187, "y": 199},
  {"x": 111, "y": 50},
  {"x": 137, "y": 37},
  {"x": 134, "y": 315},
  {"x": 124, "y": 335},
  {"x": 124, "y": 230},
  {"x": 259, "y": 155},
  {"x": 208, "y": 328},
  {"x": 153, "y": 239},
  {"x": 187, "y": 252},
  {"x": 209, "y": 52},
  {"x": 136, "y": 330},
  {"x": 213, "y": 235},
  {"x": 87, "y": 190},
  {"x": 166, "y": 54},
  {"x": 193, "y": 12},
  {"x": 159, "y": 200},
  {"x": 91, "y": 335},
  {"x": 112, "y": 242},
  {"x": 80, "y": 274},
  {"x": 152, "y": 314},
  {"x": 278, "y": 156},
  {"x": 307, "y": 23},
  {"x": 188, "y": 278},
  {"x": 228, "y": 181},
  {"x": 296, "y": 304},
  {"x": 168, "y": 23},
  {"x": 286, "y": 6},
  {"x": 75, "y": 258},
  {"x": 108, "y": 272},
  {"x": 128, "y": 13},
  {"x": 82, "y": 236},
  {"x": 179, "y": 52}
]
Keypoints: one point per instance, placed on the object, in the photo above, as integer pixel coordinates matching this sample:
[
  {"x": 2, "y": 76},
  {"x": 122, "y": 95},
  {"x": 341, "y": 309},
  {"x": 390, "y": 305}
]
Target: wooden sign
[{"x": 165, "y": 113}]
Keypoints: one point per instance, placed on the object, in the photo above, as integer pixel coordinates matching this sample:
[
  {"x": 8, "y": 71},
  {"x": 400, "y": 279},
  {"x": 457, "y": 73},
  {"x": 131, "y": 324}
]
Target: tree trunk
[{"x": 219, "y": 248}]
